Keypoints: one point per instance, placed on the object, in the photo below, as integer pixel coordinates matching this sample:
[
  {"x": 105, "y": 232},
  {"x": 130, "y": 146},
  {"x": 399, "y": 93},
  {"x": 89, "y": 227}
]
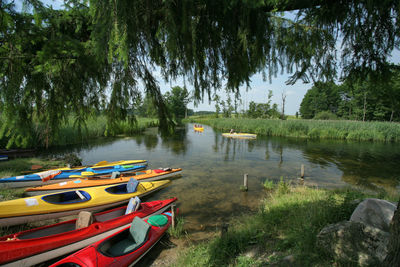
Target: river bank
[
  {"x": 308, "y": 129},
  {"x": 283, "y": 231},
  {"x": 70, "y": 134}
]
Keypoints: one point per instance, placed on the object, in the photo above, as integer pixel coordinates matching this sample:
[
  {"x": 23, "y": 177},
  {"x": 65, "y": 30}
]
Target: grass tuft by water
[
  {"x": 178, "y": 231},
  {"x": 269, "y": 185}
]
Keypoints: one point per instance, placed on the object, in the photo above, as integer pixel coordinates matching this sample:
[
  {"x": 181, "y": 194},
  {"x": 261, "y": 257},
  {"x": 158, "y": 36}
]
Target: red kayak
[
  {"x": 124, "y": 248},
  {"x": 44, "y": 243}
]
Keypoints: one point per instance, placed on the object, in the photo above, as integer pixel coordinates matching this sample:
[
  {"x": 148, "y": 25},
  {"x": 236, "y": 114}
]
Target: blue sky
[{"x": 259, "y": 88}]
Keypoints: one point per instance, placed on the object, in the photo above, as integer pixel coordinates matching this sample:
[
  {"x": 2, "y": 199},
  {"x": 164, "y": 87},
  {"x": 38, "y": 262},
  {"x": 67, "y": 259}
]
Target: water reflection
[{"x": 213, "y": 166}]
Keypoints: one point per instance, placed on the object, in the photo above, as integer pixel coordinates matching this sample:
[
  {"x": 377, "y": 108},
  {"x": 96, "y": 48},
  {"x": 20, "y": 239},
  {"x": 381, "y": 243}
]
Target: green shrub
[{"x": 325, "y": 115}]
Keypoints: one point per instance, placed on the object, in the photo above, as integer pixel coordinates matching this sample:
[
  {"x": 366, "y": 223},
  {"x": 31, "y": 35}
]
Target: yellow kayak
[
  {"x": 200, "y": 129},
  {"x": 71, "y": 202},
  {"x": 239, "y": 135},
  {"x": 81, "y": 183}
]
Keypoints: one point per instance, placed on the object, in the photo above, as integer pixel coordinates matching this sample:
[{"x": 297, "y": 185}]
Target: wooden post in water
[
  {"x": 173, "y": 215},
  {"x": 302, "y": 171},
  {"x": 245, "y": 182}
]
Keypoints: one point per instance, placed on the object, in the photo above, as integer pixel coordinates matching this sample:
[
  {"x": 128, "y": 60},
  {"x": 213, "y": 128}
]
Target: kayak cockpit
[
  {"x": 128, "y": 188},
  {"x": 127, "y": 241},
  {"x": 48, "y": 231},
  {"x": 69, "y": 197}
]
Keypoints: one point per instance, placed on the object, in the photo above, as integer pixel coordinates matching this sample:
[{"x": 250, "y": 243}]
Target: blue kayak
[{"x": 54, "y": 176}]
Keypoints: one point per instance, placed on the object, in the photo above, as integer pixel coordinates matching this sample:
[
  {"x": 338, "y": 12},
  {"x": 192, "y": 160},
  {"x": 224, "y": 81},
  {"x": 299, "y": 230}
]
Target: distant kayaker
[{"x": 232, "y": 131}]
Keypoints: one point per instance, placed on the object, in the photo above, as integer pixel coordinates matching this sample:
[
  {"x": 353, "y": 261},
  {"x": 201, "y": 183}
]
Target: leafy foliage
[
  {"x": 95, "y": 55},
  {"x": 177, "y": 101},
  {"x": 263, "y": 110},
  {"x": 364, "y": 99}
]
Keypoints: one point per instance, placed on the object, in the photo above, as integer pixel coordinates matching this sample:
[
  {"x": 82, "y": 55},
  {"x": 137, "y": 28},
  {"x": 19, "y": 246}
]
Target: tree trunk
[
  {"x": 391, "y": 116},
  {"x": 393, "y": 256},
  {"x": 365, "y": 105},
  {"x": 283, "y": 105}
]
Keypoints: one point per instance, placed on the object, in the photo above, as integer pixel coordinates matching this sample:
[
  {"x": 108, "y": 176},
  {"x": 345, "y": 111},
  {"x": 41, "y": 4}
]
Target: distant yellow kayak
[
  {"x": 200, "y": 129},
  {"x": 71, "y": 202},
  {"x": 240, "y": 135}
]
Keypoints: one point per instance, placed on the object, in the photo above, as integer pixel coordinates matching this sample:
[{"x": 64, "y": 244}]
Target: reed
[
  {"x": 97, "y": 128},
  {"x": 178, "y": 231},
  {"x": 94, "y": 127},
  {"x": 312, "y": 129}
]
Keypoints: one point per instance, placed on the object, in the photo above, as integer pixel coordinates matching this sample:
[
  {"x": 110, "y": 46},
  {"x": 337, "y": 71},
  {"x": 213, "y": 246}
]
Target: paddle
[{"x": 101, "y": 163}]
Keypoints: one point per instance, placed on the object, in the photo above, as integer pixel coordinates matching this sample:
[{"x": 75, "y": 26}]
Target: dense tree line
[{"x": 365, "y": 100}]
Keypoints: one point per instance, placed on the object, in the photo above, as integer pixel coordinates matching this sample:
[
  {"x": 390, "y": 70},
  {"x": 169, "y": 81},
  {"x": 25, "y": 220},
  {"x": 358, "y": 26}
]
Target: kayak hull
[
  {"x": 142, "y": 176},
  {"x": 36, "y": 179},
  {"x": 92, "y": 255},
  {"x": 240, "y": 135},
  {"x": 31, "y": 247},
  {"x": 23, "y": 210}
]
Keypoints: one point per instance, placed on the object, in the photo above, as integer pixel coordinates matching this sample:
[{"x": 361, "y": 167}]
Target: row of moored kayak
[{"x": 119, "y": 236}]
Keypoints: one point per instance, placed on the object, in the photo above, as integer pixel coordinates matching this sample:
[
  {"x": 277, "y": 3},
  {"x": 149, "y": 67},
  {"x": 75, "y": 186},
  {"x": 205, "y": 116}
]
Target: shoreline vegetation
[
  {"x": 69, "y": 134},
  {"x": 309, "y": 129},
  {"x": 284, "y": 230}
]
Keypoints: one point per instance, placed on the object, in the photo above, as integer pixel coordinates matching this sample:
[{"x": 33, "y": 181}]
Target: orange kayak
[{"x": 142, "y": 176}]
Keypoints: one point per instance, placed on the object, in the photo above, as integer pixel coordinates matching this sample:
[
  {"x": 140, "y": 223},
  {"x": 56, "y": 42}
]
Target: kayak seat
[
  {"x": 133, "y": 205},
  {"x": 115, "y": 175},
  {"x": 85, "y": 218},
  {"x": 131, "y": 186},
  {"x": 131, "y": 240}
]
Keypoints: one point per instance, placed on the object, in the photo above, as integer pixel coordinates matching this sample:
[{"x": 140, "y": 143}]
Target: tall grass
[
  {"x": 94, "y": 127},
  {"x": 97, "y": 127},
  {"x": 313, "y": 129},
  {"x": 286, "y": 224}
]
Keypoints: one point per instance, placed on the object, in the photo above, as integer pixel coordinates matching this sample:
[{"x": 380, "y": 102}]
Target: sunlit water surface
[{"x": 213, "y": 167}]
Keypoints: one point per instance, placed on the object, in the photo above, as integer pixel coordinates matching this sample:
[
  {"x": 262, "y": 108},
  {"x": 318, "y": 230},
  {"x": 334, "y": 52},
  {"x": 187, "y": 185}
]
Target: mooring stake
[
  {"x": 245, "y": 182},
  {"x": 302, "y": 171},
  {"x": 173, "y": 215}
]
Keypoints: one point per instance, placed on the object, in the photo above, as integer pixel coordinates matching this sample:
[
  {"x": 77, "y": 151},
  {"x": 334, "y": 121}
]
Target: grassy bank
[
  {"x": 95, "y": 127},
  {"x": 22, "y": 166},
  {"x": 314, "y": 129},
  {"x": 287, "y": 224}
]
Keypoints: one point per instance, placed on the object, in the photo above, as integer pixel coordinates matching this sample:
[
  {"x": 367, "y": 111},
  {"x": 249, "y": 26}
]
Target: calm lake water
[{"x": 213, "y": 167}]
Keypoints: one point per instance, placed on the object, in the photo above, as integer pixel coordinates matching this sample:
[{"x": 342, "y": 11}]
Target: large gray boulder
[
  {"x": 374, "y": 212},
  {"x": 354, "y": 242}
]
